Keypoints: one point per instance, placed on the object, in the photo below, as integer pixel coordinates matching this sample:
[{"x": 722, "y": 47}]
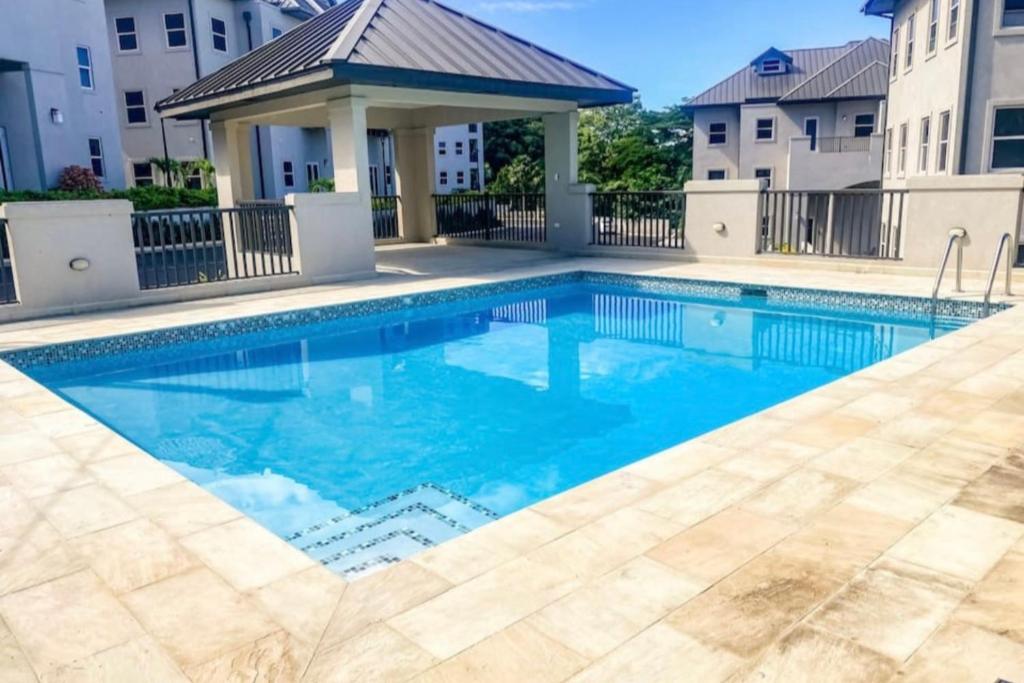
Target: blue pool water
[{"x": 363, "y": 441}]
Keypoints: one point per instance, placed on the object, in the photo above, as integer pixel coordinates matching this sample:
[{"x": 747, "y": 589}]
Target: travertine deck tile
[
  {"x": 304, "y": 602},
  {"x": 183, "y": 509},
  {"x": 23, "y": 446},
  {"x": 863, "y": 459},
  {"x": 961, "y": 652},
  {"x": 84, "y": 509},
  {"x": 700, "y": 496},
  {"x": 46, "y": 475},
  {"x": 14, "y": 666},
  {"x": 810, "y": 655},
  {"x": 997, "y": 602},
  {"x": 137, "y": 660},
  {"x": 133, "y": 473},
  {"x": 584, "y": 504},
  {"x": 377, "y": 654},
  {"x": 999, "y": 491},
  {"x": 800, "y": 495},
  {"x": 276, "y": 657}
]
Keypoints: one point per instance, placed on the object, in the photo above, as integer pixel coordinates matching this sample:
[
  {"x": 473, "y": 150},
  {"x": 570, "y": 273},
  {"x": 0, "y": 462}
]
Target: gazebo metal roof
[{"x": 402, "y": 43}]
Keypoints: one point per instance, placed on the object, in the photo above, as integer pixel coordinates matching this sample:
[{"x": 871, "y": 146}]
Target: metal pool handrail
[
  {"x": 1003, "y": 242},
  {"x": 956, "y": 236}
]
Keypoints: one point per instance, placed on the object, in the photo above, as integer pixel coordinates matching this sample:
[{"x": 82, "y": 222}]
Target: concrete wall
[
  {"x": 707, "y": 157},
  {"x": 722, "y": 218},
  {"x": 39, "y": 41},
  {"x": 825, "y": 170}
]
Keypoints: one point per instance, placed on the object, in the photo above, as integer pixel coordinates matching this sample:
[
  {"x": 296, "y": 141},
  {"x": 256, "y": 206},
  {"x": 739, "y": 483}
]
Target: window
[
  {"x": 474, "y": 150},
  {"x": 374, "y": 180},
  {"x": 84, "y": 57},
  {"x": 942, "y": 162},
  {"x": 894, "y": 63},
  {"x": 312, "y": 172},
  {"x": 902, "y": 158},
  {"x": 1013, "y": 13},
  {"x": 954, "y": 20},
  {"x": 219, "y": 30},
  {"x": 764, "y": 174},
  {"x": 460, "y": 178},
  {"x": 717, "y": 134},
  {"x": 458, "y": 148},
  {"x": 474, "y": 179},
  {"x": 1008, "y": 138},
  {"x": 474, "y": 127},
  {"x": 771, "y": 66},
  {"x": 387, "y": 175},
  {"x": 96, "y": 156},
  {"x": 888, "y": 152},
  {"x": 174, "y": 30},
  {"x": 863, "y": 125},
  {"x": 135, "y": 107},
  {"x": 275, "y": 32},
  {"x": 911, "y": 29},
  {"x": 127, "y": 38},
  {"x": 717, "y": 174},
  {"x": 811, "y": 131},
  {"x": 933, "y": 26},
  {"x": 765, "y": 130},
  {"x": 444, "y": 178},
  {"x": 925, "y": 142},
  {"x": 289, "y": 173},
  {"x": 442, "y": 148},
  {"x": 194, "y": 179},
  {"x": 143, "y": 174}
]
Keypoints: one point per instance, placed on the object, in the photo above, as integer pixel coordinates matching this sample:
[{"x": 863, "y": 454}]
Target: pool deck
[{"x": 870, "y": 530}]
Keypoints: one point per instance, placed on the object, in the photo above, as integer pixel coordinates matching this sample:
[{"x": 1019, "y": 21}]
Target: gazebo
[{"x": 407, "y": 66}]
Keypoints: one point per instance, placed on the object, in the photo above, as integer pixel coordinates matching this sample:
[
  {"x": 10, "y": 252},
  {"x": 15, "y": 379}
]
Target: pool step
[{"x": 391, "y": 529}]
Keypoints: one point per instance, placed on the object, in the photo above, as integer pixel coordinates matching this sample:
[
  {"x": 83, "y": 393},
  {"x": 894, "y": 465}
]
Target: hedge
[{"x": 144, "y": 198}]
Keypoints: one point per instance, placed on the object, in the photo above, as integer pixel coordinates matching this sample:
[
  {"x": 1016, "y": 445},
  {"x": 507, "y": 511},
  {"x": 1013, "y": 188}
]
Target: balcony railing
[
  {"x": 842, "y": 145},
  {"x": 848, "y": 223},
  {"x": 492, "y": 217},
  {"x": 385, "y": 217},
  {"x": 188, "y": 246},
  {"x": 638, "y": 219},
  {"x": 8, "y": 291}
]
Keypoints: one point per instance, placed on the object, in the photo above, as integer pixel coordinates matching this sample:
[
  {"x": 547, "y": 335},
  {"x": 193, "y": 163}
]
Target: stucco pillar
[
  {"x": 349, "y": 147},
  {"x": 568, "y": 202},
  {"x": 232, "y": 158},
  {"x": 414, "y": 183}
]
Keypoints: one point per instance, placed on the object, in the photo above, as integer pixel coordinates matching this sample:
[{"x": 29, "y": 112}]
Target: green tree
[
  {"x": 522, "y": 176},
  {"x": 172, "y": 170},
  {"x": 505, "y": 141}
]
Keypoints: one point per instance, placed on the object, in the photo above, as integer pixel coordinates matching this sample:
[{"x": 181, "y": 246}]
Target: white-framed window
[
  {"x": 894, "y": 62},
  {"x": 764, "y": 174},
  {"x": 135, "y": 108},
  {"x": 194, "y": 179},
  {"x": 764, "y": 130},
  {"x": 924, "y": 143},
  {"x": 911, "y": 39},
  {"x": 127, "y": 36},
  {"x": 717, "y": 133},
  {"x": 312, "y": 172},
  {"x": 901, "y": 159},
  {"x": 96, "y": 157},
  {"x": 289, "y": 173},
  {"x": 459, "y": 147},
  {"x": 443, "y": 179},
  {"x": 888, "y": 152},
  {"x": 933, "y": 26},
  {"x": 1013, "y": 14},
  {"x": 772, "y": 66},
  {"x": 83, "y": 56},
  {"x": 811, "y": 126},
  {"x": 863, "y": 125},
  {"x": 442, "y": 148},
  {"x": 219, "y": 34},
  {"x": 942, "y": 158},
  {"x": 474, "y": 127},
  {"x": 1008, "y": 138},
  {"x": 142, "y": 173},
  {"x": 175, "y": 34},
  {"x": 717, "y": 174},
  {"x": 954, "y": 21},
  {"x": 460, "y": 178}
]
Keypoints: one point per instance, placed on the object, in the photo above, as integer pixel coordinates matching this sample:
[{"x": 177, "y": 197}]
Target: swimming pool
[{"x": 367, "y": 432}]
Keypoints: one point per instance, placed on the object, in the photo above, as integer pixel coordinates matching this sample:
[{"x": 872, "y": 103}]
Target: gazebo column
[
  {"x": 349, "y": 147},
  {"x": 568, "y": 202},
  {"x": 232, "y": 159},
  {"x": 414, "y": 183}
]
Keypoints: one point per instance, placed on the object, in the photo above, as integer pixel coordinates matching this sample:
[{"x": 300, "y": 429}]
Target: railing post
[{"x": 830, "y": 224}]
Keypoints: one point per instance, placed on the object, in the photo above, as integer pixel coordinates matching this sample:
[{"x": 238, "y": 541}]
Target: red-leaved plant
[{"x": 79, "y": 179}]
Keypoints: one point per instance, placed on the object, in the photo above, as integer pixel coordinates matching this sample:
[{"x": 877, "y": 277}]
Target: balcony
[{"x": 835, "y": 162}]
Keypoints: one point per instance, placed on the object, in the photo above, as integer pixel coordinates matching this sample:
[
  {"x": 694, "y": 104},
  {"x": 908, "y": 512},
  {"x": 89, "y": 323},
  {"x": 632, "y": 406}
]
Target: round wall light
[{"x": 79, "y": 264}]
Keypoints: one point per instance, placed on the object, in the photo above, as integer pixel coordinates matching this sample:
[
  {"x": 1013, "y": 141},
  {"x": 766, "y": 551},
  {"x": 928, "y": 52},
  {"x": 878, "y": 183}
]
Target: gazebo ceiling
[{"x": 417, "y": 44}]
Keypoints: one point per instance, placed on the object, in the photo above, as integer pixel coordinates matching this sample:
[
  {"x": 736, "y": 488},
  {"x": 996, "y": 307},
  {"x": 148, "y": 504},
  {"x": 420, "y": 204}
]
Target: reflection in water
[{"x": 363, "y": 446}]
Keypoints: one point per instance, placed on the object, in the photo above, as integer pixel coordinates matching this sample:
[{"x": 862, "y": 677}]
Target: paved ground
[{"x": 869, "y": 530}]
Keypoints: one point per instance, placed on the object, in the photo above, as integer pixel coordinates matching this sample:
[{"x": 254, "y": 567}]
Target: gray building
[
  {"x": 57, "y": 97},
  {"x": 801, "y": 119}
]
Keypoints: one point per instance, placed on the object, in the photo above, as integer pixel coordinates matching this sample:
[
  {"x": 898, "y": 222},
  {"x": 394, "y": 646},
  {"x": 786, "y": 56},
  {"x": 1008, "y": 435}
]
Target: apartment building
[
  {"x": 956, "y": 87},
  {"x": 57, "y": 96},
  {"x": 459, "y": 158},
  {"x": 800, "y": 119}
]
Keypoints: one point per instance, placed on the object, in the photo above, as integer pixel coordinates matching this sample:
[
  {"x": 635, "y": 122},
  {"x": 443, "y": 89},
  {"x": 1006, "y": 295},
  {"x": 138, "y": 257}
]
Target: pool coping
[{"x": 509, "y": 546}]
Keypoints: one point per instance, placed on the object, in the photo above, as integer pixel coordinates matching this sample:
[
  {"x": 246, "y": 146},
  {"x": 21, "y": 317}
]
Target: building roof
[
  {"x": 409, "y": 43},
  {"x": 856, "y": 70},
  {"x": 879, "y": 8}
]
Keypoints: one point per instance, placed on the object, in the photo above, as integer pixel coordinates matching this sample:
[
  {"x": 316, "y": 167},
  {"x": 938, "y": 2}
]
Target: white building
[
  {"x": 459, "y": 158},
  {"x": 956, "y": 87},
  {"x": 801, "y": 119}
]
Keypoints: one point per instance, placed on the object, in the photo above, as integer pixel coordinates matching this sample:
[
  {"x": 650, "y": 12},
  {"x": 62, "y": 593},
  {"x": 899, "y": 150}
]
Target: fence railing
[
  {"x": 385, "y": 217},
  {"x": 194, "y": 246},
  {"x": 8, "y": 291},
  {"x": 497, "y": 217},
  {"x": 847, "y": 223},
  {"x": 841, "y": 145},
  {"x": 638, "y": 219}
]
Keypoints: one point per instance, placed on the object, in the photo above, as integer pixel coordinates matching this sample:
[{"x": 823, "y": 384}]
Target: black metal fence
[
  {"x": 638, "y": 219},
  {"x": 385, "y": 217},
  {"x": 8, "y": 291},
  {"x": 195, "y": 246},
  {"x": 848, "y": 223},
  {"x": 497, "y": 217}
]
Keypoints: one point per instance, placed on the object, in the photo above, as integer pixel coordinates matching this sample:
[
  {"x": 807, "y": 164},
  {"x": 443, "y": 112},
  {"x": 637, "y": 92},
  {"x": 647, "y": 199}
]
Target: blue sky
[{"x": 671, "y": 49}]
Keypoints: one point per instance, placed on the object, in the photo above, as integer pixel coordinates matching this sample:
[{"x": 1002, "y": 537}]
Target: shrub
[
  {"x": 144, "y": 198},
  {"x": 78, "y": 179},
  {"x": 322, "y": 185}
]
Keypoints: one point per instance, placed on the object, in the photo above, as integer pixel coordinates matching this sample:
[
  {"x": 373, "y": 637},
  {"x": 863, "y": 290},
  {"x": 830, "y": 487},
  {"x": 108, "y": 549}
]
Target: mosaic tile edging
[{"x": 880, "y": 304}]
